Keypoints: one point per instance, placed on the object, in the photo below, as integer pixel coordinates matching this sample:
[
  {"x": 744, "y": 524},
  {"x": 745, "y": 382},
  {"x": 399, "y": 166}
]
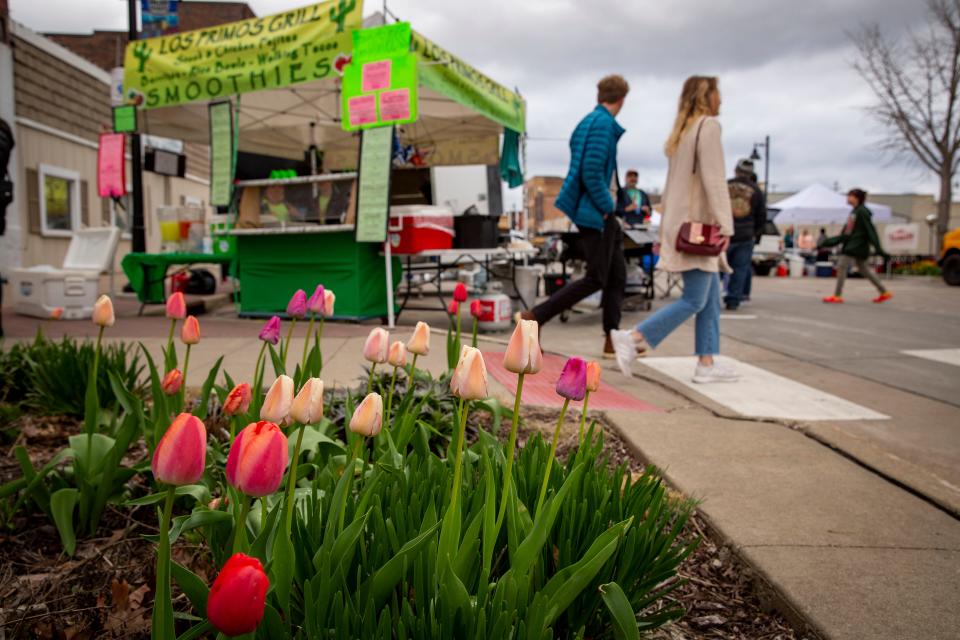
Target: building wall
[{"x": 542, "y": 191}]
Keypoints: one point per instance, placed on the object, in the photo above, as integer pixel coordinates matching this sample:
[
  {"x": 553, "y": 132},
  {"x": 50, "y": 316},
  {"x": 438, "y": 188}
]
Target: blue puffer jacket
[{"x": 585, "y": 195}]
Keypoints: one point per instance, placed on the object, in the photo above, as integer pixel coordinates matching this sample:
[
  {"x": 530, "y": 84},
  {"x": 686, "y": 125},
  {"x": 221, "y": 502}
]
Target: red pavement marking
[{"x": 539, "y": 389}]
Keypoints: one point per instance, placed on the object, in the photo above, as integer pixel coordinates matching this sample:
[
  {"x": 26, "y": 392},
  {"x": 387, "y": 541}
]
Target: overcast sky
[{"x": 784, "y": 69}]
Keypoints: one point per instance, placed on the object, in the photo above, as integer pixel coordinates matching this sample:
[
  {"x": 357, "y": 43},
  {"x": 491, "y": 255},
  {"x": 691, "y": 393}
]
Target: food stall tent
[{"x": 817, "y": 204}]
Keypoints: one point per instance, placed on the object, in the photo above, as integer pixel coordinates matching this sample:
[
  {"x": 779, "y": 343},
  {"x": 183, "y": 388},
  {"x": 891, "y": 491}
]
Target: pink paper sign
[
  {"x": 375, "y": 76},
  {"x": 395, "y": 105},
  {"x": 362, "y": 110},
  {"x": 111, "y": 166}
]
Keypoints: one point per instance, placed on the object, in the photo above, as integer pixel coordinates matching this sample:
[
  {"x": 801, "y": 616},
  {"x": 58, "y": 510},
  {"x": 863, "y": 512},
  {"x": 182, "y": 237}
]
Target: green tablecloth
[
  {"x": 147, "y": 271},
  {"x": 273, "y": 266}
]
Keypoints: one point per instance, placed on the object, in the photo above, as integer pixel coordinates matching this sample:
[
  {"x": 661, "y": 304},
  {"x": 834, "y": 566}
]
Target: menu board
[
  {"x": 221, "y": 153},
  {"x": 373, "y": 191}
]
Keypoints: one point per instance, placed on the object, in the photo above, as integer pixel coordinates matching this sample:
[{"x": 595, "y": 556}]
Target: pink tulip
[
  {"x": 307, "y": 407},
  {"x": 475, "y": 309},
  {"x": 317, "y": 301},
  {"x": 176, "y": 306},
  {"x": 453, "y": 308},
  {"x": 397, "y": 355},
  {"x": 56, "y": 313},
  {"x": 593, "y": 376},
  {"x": 572, "y": 383},
  {"x": 367, "y": 418},
  {"x": 171, "y": 382},
  {"x": 238, "y": 400},
  {"x": 297, "y": 307},
  {"x": 460, "y": 292},
  {"x": 236, "y": 601},
  {"x": 258, "y": 459},
  {"x": 279, "y": 399},
  {"x": 469, "y": 380},
  {"x": 328, "y": 301},
  {"x": 103, "y": 312},
  {"x": 419, "y": 342},
  {"x": 181, "y": 454},
  {"x": 523, "y": 353},
  {"x": 190, "y": 331},
  {"x": 271, "y": 331},
  {"x": 376, "y": 347}
]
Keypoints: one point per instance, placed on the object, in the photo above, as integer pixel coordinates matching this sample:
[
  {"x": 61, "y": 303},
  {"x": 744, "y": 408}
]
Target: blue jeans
[
  {"x": 701, "y": 297},
  {"x": 740, "y": 257}
]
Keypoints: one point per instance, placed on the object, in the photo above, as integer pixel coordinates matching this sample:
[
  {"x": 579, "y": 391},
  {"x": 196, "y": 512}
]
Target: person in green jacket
[{"x": 858, "y": 237}]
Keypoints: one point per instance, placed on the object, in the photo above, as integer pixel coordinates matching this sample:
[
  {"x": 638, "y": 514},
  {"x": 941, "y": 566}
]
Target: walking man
[
  {"x": 589, "y": 197},
  {"x": 749, "y": 216}
]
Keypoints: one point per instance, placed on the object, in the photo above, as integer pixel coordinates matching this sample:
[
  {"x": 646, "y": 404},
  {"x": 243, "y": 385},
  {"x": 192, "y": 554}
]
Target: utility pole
[{"x": 138, "y": 228}]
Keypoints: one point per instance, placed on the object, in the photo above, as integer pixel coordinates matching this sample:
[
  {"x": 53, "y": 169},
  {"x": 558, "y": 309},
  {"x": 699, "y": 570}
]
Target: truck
[{"x": 950, "y": 258}]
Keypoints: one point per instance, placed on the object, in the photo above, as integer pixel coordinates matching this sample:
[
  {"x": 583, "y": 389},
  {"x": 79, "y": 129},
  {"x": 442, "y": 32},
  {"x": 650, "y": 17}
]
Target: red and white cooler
[{"x": 419, "y": 228}]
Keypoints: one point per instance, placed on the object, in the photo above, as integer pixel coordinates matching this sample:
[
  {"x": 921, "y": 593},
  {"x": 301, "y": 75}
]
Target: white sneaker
[
  {"x": 715, "y": 373},
  {"x": 626, "y": 350}
]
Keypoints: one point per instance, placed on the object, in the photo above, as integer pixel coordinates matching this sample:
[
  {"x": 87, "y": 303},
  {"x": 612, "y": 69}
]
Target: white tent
[{"x": 819, "y": 205}]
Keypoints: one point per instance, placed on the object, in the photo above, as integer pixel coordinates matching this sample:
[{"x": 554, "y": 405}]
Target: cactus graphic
[
  {"x": 339, "y": 13},
  {"x": 142, "y": 53}
]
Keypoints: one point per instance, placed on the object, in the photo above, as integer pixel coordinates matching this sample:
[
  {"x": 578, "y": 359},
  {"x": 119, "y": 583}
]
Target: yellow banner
[{"x": 300, "y": 45}]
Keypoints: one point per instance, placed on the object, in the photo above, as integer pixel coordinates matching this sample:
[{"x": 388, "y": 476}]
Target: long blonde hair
[{"x": 694, "y": 102}]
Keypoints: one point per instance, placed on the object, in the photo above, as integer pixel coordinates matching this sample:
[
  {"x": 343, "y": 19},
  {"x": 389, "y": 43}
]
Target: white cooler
[{"x": 37, "y": 291}]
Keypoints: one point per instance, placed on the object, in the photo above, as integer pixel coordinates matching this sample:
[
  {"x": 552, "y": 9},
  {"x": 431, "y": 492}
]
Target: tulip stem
[
  {"x": 256, "y": 370},
  {"x": 183, "y": 385},
  {"x": 240, "y": 528},
  {"x": 292, "y": 482},
  {"x": 373, "y": 368},
  {"x": 173, "y": 326},
  {"x": 458, "y": 325},
  {"x": 162, "y": 605},
  {"x": 318, "y": 338},
  {"x": 583, "y": 416},
  {"x": 473, "y": 343},
  {"x": 233, "y": 428},
  {"x": 306, "y": 346},
  {"x": 457, "y": 471},
  {"x": 393, "y": 383},
  {"x": 285, "y": 347},
  {"x": 351, "y": 464},
  {"x": 553, "y": 450},
  {"x": 511, "y": 445}
]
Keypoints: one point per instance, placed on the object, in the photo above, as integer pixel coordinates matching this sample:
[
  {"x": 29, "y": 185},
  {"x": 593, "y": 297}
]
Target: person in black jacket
[
  {"x": 6, "y": 185},
  {"x": 749, "y": 217}
]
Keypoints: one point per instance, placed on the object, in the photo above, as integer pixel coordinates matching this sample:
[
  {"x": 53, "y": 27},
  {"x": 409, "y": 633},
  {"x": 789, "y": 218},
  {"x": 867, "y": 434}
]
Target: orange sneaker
[
  {"x": 883, "y": 297},
  {"x": 833, "y": 300}
]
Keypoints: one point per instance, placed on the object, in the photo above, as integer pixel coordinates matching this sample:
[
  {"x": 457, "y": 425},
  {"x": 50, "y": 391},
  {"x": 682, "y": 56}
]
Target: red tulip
[
  {"x": 190, "y": 332},
  {"x": 258, "y": 459},
  {"x": 236, "y": 600},
  {"x": 171, "y": 382},
  {"x": 176, "y": 306},
  {"x": 56, "y": 313},
  {"x": 181, "y": 454},
  {"x": 475, "y": 309},
  {"x": 460, "y": 292},
  {"x": 453, "y": 308},
  {"x": 238, "y": 400}
]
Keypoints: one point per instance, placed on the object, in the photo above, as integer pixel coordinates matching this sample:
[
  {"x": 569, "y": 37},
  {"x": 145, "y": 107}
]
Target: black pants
[{"x": 606, "y": 269}]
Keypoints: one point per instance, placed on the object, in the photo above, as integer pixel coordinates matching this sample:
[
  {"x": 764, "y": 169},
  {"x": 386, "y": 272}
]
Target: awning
[{"x": 819, "y": 205}]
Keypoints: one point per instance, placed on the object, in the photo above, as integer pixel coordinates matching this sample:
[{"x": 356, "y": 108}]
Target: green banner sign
[
  {"x": 301, "y": 45},
  {"x": 447, "y": 74},
  {"x": 373, "y": 190},
  {"x": 221, "y": 153},
  {"x": 380, "y": 83}
]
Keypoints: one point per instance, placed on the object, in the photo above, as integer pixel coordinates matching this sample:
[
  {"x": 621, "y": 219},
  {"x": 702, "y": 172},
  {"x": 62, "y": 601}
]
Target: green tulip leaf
[
  {"x": 204, "y": 403},
  {"x": 282, "y": 568},
  {"x": 62, "y": 504},
  {"x": 387, "y": 576},
  {"x": 624, "y": 620},
  {"x": 193, "y": 586}
]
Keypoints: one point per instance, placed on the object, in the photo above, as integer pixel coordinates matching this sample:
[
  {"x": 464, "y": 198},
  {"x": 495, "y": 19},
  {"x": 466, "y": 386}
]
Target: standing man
[
  {"x": 634, "y": 201},
  {"x": 589, "y": 197},
  {"x": 749, "y": 217}
]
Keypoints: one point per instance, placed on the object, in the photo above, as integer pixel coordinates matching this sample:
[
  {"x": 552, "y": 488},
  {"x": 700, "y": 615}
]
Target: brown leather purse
[{"x": 699, "y": 238}]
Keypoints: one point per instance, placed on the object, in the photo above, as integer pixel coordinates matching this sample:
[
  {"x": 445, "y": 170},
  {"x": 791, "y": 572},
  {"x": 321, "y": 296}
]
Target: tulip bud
[
  {"x": 367, "y": 417},
  {"x": 523, "y": 353},
  {"x": 176, "y": 306},
  {"x": 593, "y": 376},
  {"x": 460, "y": 292},
  {"x": 235, "y": 603},
  {"x": 475, "y": 309},
  {"x": 469, "y": 380},
  {"x": 258, "y": 459},
  {"x": 572, "y": 383},
  {"x": 397, "y": 355},
  {"x": 171, "y": 382},
  {"x": 453, "y": 308},
  {"x": 376, "y": 346},
  {"x": 56, "y": 313},
  {"x": 190, "y": 331},
  {"x": 181, "y": 454},
  {"x": 328, "y": 301},
  {"x": 316, "y": 302},
  {"x": 419, "y": 342},
  {"x": 307, "y": 407},
  {"x": 103, "y": 312},
  {"x": 279, "y": 399},
  {"x": 238, "y": 400},
  {"x": 271, "y": 331},
  {"x": 297, "y": 307}
]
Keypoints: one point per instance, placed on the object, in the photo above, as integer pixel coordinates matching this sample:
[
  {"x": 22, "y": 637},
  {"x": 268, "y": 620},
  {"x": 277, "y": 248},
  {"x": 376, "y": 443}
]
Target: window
[{"x": 59, "y": 201}]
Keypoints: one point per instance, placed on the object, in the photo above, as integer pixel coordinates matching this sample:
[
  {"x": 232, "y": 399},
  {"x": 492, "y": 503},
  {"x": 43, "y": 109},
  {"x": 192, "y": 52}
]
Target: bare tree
[{"x": 917, "y": 84}]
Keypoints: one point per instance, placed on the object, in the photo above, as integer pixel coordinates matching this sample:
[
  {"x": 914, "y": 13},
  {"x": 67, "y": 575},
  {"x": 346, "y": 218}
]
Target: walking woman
[
  {"x": 858, "y": 236},
  {"x": 696, "y": 192}
]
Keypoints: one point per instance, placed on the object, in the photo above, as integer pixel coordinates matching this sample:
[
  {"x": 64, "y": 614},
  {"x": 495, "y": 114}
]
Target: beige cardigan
[{"x": 695, "y": 197}]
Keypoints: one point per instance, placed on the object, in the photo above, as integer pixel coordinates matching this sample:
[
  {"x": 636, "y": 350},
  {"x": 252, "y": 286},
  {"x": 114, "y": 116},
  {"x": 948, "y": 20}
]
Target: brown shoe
[{"x": 608, "y": 350}]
